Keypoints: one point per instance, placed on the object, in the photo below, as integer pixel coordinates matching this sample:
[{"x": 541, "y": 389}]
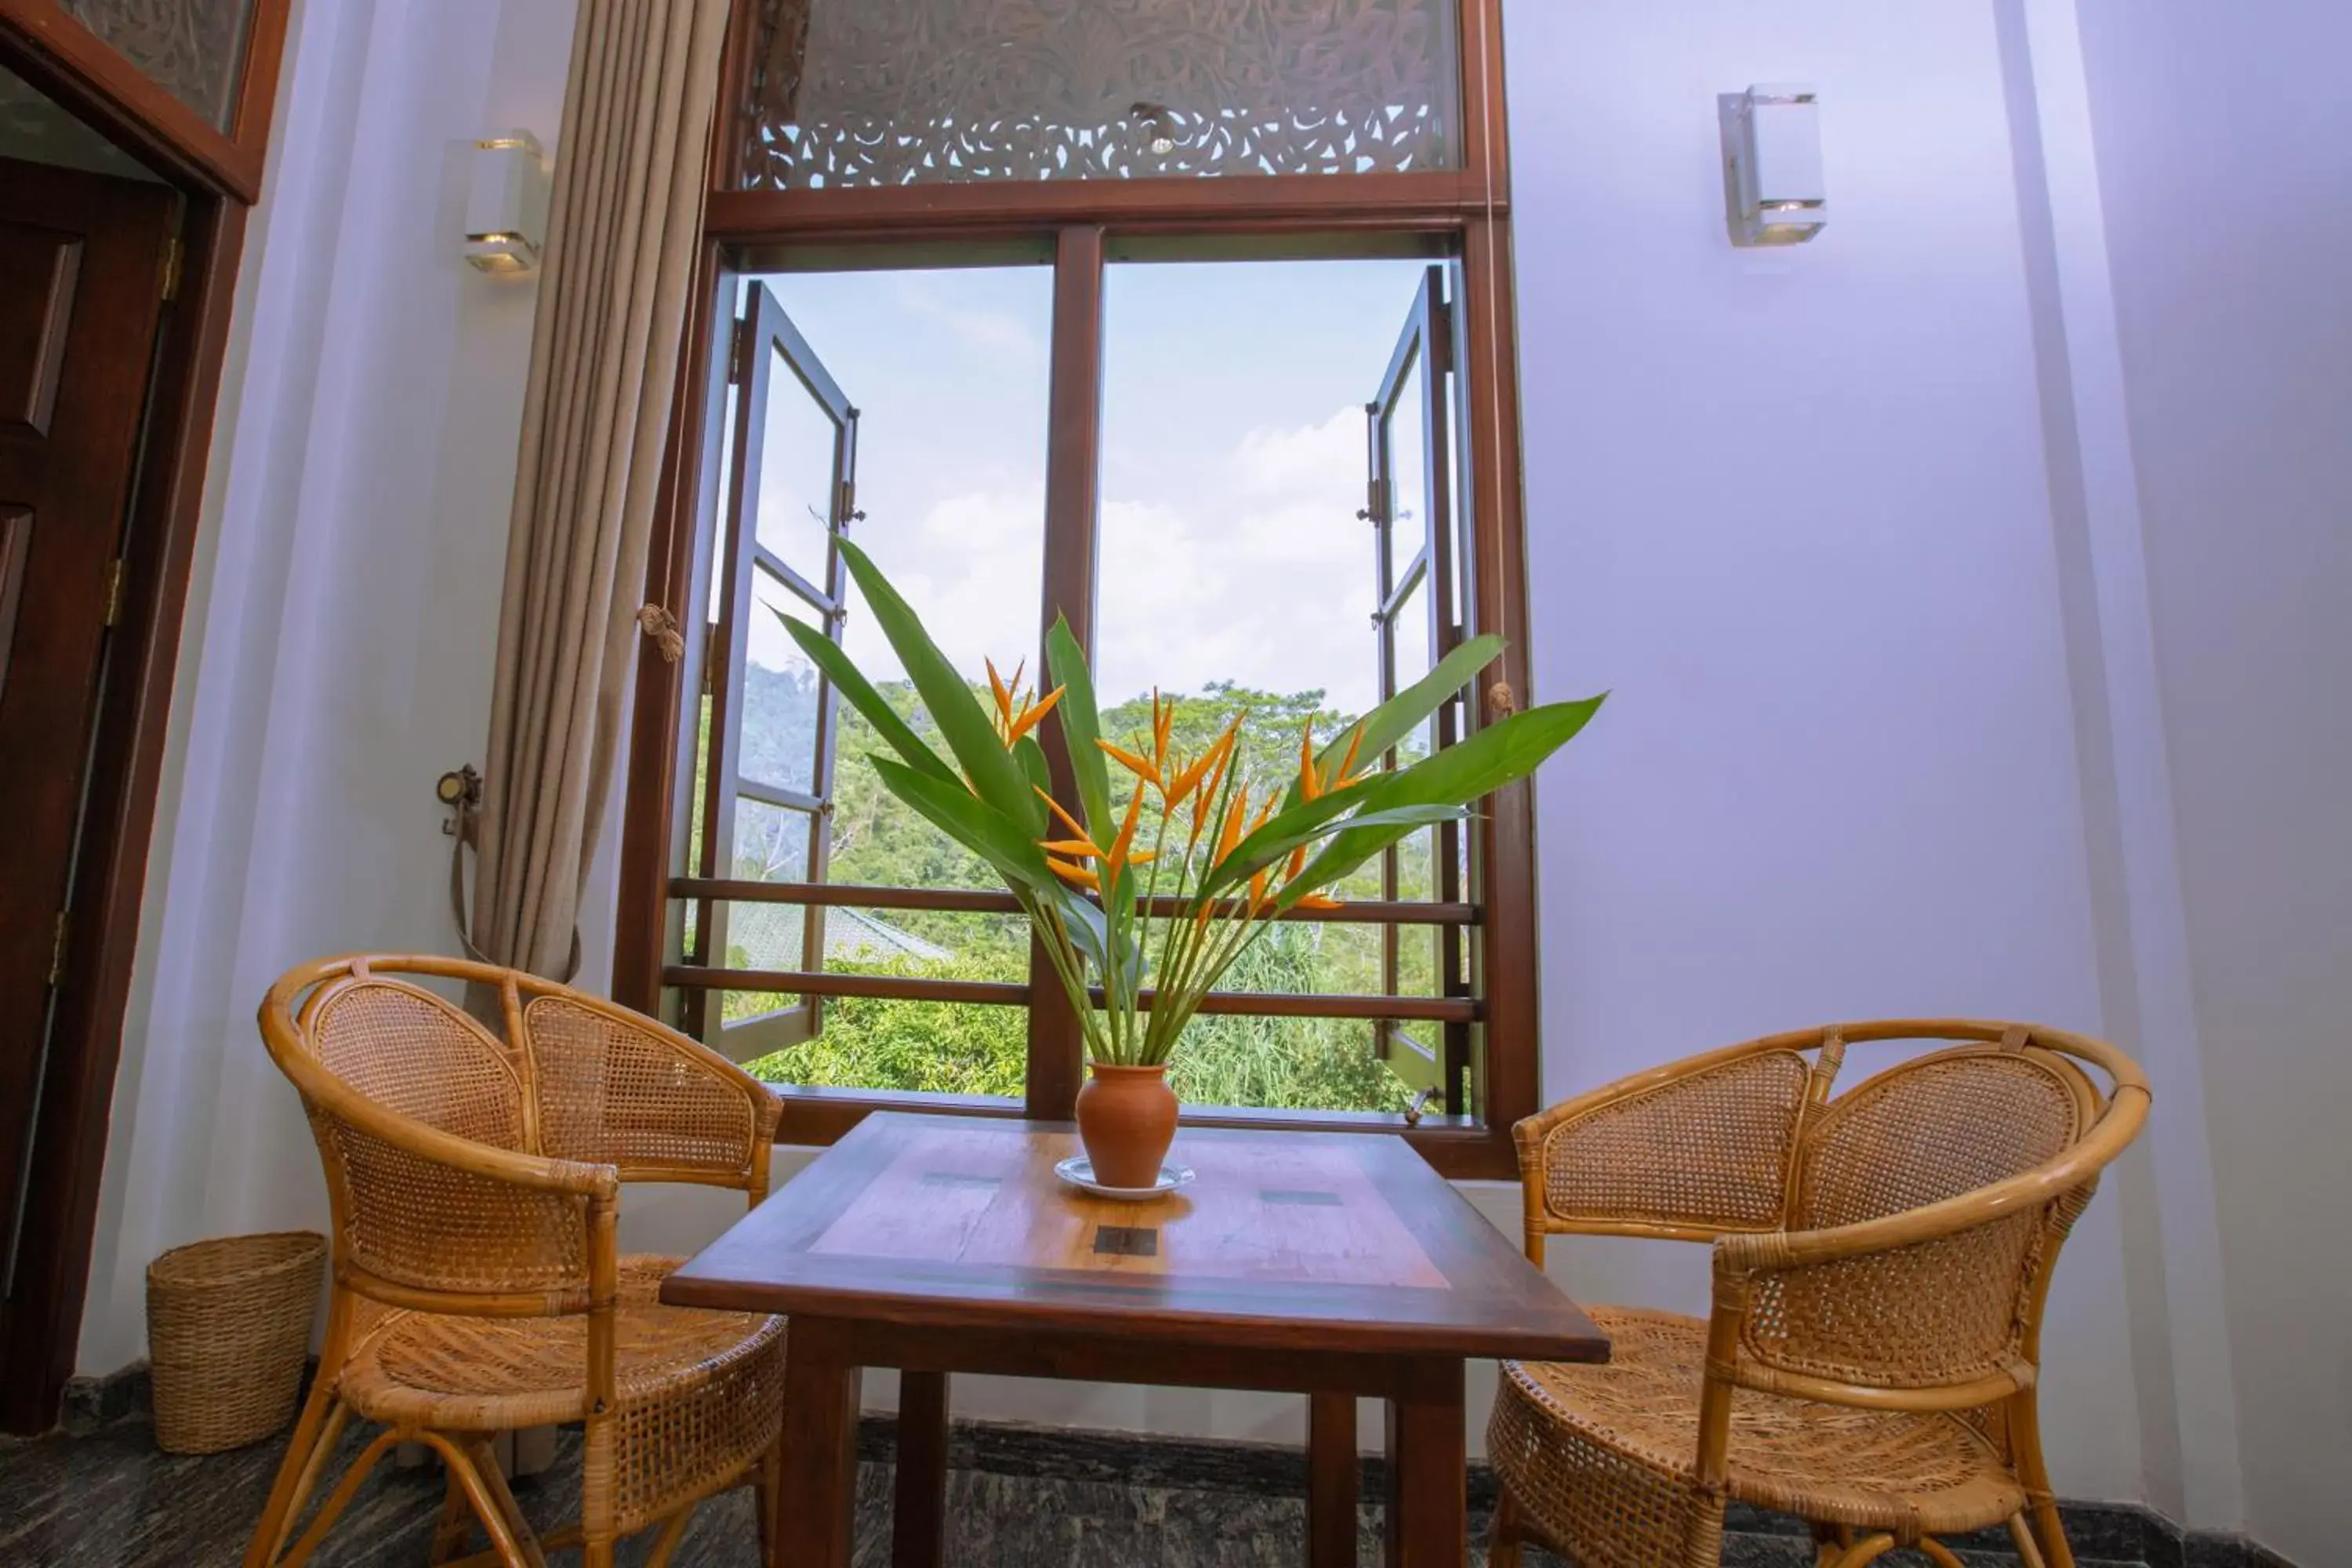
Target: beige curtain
[{"x": 629, "y": 182}]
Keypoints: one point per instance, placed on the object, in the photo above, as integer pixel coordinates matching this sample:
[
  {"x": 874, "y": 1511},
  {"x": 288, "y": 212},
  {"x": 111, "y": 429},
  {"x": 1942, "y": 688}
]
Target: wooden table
[{"x": 1338, "y": 1265}]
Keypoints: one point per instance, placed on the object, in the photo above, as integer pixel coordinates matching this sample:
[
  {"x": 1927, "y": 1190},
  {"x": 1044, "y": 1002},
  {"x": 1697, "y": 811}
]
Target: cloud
[
  {"x": 971, "y": 566},
  {"x": 1251, "y": 567},
  {"x": 1305, "y": 460},
  {"x": 997, "y": 332}
]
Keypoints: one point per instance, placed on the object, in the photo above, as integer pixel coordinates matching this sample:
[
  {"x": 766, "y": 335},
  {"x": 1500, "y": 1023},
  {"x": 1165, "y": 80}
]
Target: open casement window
[
  {"x": 768, "y": 767},
  {"x": 1409, "y": 500}
]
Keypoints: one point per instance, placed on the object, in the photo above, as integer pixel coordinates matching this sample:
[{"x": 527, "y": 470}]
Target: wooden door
[{"x": 83, "y": 273}]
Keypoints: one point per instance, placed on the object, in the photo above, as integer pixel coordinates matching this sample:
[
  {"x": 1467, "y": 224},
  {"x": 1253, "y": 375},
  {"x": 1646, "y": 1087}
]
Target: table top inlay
[
  {"x": 982, "y": 1193},
  {"x": 1284, "y": 1239}
]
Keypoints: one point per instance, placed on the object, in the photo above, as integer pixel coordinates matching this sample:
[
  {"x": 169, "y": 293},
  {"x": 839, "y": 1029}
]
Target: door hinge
[
  {"x": 174, "y": 258},
  {"x": 57, "y": 950},
  {"x": 114, "y": 577}
]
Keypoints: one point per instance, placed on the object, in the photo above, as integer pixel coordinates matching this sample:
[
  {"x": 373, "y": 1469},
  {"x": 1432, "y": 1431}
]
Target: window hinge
[
  {"x": 114, "y": 576},
  {"x": 739, "y": 363},
  {"x": 57, "y": 950},
  {"x": 174, "y": 257}
]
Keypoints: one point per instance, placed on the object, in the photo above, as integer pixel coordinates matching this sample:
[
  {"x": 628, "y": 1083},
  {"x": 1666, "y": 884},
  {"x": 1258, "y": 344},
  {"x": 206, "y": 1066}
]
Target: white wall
[
  {"x": 2228, "y": 197},
  {"x": 342, "y": 617},
  {"x": 1851, "y": 532},
  {"x": 1792, "y": 508}
]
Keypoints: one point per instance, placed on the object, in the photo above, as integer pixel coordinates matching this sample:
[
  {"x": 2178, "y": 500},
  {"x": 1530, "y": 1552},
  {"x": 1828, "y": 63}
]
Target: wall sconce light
[
  {"x": 1772, "y": 185},
  {"x": 506, "y": 203}
]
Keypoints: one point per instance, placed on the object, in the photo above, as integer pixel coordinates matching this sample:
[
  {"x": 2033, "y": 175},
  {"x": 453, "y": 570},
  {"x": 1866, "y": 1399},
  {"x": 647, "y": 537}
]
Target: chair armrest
[{"x": 1691, "y": 1151}]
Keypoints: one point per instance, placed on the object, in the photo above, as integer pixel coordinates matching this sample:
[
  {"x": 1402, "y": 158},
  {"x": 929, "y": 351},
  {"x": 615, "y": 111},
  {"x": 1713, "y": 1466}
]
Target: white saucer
[{"x": 1079, "y": 1171}]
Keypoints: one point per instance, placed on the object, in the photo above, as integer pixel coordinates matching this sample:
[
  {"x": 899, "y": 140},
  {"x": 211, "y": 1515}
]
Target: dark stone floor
[{"x": 109, "y": 1499}]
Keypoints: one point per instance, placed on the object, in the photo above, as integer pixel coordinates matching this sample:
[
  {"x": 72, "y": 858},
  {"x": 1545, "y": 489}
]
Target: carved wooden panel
[
  {"x": 891, "y": 92},
  {"x": 193, "y": 49}
]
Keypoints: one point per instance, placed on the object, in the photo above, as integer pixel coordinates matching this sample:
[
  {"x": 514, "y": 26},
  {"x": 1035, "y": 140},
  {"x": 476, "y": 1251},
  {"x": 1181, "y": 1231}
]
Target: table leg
[
  {"x": 1331, "y": 1467},
  {"x": 819, "y": 1499},
  {"x": 918, "y": 1512},
  {"x": 1428, "y": 1520}
]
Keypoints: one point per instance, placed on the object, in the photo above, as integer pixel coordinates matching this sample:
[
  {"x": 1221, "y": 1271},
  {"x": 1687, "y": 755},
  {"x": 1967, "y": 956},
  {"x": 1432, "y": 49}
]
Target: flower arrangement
[{"x": 1142, "y": 908}]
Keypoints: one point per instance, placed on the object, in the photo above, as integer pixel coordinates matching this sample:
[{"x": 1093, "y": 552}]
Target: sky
[{"x": 1234, "y": 440}]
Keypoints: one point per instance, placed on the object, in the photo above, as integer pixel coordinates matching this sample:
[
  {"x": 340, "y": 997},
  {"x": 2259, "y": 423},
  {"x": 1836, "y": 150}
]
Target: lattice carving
[
  {"x": 893, "y": 92},
  {"x": 191, "y": 48}
]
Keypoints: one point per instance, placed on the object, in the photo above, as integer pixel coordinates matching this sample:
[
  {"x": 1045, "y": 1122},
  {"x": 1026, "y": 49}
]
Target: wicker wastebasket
[{"x": 228, "y": 1327}]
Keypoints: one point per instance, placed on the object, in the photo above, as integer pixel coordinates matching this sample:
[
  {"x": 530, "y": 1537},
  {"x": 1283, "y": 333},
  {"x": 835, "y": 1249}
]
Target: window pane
[
  {"x": 1232, "y": 557},
  {"x": 1408, "y": 434},
  {"x": 933, "y": 1047},
  {"x": 771, "y": 844},
  {"x": 797, "y": 460},
  {"x": 948, "y": 370},
  {"x": 896, "y": 92},
  {"x": 783, "y": 693},
  {"x": 1296, "y": 1063},
  {"x": 194, "y": 50},
  {"x": 927, "y": 944}
]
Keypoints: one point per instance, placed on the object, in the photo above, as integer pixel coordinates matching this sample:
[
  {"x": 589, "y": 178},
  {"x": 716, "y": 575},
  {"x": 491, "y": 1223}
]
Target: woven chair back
[
  {"x": 1712, "y": 1148},
  {"x": 613, "y": 1092},
  {"x": 420, "y": 1223},
  {"x": 1947, "y": 1310}
]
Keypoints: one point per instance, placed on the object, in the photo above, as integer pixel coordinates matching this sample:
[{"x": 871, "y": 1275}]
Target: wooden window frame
[{"x": 1469, "y": 207}]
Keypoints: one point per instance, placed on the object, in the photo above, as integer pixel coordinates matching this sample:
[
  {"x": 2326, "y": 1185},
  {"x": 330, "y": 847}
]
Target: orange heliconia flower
[
  {"x": 1315, "y": 901},
  {"x": 1077, "y": 875},
  {"x": 1068, "y": 821},
  {"x": 1117, "y": 857},
  {"x": 1230, "y": 834},
  {"x": 1016, "y": 715},
  {"x": 1029, "y": 716},
  {"x": 1214, "y": 757},
  {"x": 1142, "y": 767},
  {"x": 1348, "y": 777}
]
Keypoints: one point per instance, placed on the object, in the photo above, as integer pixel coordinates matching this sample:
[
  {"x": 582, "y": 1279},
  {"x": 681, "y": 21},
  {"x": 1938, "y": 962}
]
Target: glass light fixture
[
  {"x": 1773, "y": 187},
  {"x": 506, "y": 203}
]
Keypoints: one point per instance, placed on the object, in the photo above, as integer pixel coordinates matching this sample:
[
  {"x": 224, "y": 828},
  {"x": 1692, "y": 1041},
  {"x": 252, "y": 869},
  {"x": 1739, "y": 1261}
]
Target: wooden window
[
  {"x": 1446, "y": 924},
  {"x": 193, "y": 49}
]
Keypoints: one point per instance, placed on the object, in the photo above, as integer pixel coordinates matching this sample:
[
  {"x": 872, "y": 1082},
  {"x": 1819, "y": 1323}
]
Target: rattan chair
[
  {"x": 474, "y": 1182},
  {"x": 1881, "y": 1262}
]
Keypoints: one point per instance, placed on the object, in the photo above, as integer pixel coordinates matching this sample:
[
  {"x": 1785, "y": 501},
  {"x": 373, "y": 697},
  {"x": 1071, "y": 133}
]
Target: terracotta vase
[{"x": 1127, "y": 1120}]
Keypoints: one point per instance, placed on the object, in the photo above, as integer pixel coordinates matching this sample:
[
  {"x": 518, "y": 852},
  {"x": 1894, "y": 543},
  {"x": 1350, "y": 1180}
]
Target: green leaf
[
  {"x": 851, "y": 682},
  {"x": 970, "y": 732},
  {"x": 973, "y": 823},
  {"x": 1289, "y": 830},
  {"x": 1032, "y": 758},
  {"x": 1084, "y": 920},
  {"x": 1502, "y": 754},
  {"x": 1081, "y": 722},
  {"x": 1397, "y": 718}
]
